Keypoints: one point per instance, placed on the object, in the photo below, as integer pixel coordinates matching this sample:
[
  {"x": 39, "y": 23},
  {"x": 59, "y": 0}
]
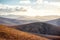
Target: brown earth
[{"x": 7, "y": 33}]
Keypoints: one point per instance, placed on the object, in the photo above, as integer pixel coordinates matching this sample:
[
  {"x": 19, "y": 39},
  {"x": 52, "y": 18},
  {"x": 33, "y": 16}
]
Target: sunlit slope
[{"x": 12, "y": 34}]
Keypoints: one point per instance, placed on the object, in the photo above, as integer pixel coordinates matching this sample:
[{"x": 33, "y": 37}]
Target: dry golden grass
[{"x": 7, "y": 33}]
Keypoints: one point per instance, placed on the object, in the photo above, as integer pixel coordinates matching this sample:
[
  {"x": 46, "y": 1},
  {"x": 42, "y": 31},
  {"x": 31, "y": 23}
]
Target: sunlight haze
[{"x": 30, "y": 8}]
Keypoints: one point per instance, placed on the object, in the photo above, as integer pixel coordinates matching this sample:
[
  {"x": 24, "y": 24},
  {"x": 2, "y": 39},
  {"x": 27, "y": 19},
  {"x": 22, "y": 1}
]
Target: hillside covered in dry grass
[{"x": 7, "y": 33}]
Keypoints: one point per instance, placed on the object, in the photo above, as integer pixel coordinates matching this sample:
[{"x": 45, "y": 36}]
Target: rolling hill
[
  {"x": 31, "y": 26},
  {"x": 7, "y": 33},
  {"x": 39, "y": 28},
  {"x": 54, "y": 22}
]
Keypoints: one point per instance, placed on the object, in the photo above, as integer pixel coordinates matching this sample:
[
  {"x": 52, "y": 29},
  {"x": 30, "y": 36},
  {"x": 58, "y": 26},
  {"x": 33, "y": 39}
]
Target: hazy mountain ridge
[
  {"x": 54, "y": 22},
  {"x": 17, "y": 20},
  {"x": 8, "y": 21}
]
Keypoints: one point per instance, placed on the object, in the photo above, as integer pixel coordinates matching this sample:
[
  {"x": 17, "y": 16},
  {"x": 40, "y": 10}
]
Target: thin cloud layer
[
  {"x": 53, "y": 0},
  {"x": 52, "y": 8}
]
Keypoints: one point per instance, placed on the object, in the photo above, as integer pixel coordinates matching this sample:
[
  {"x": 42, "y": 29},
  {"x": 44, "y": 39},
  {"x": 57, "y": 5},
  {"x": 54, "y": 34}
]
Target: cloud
[
  {"x": 43, "y": 11},
  {"x": 12, "y": 8},
  {"x": 53, "y": 0}
]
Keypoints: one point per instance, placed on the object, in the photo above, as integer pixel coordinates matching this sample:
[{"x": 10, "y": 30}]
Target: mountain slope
[
  {"x": 54, "y": 22},
  {"x": 7, "y": 33},
  {"x": 39, "y": 28}
]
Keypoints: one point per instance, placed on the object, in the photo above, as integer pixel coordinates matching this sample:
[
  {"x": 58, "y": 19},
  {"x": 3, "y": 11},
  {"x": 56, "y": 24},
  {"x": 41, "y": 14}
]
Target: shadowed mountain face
[
  {"x": 39, "y": 28},
  {"x": 10, "y": 22},
  {"x": 7, "y": 33},
  {"x": 54, "y": 22}
]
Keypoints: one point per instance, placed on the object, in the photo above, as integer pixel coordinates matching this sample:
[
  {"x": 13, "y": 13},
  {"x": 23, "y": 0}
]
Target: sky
[
  {"x": 42, "y": 10},
  {"x": 17, "y": 2},
  {"x": 12, "y": 2},
  {"x": 53, "y": 0}
]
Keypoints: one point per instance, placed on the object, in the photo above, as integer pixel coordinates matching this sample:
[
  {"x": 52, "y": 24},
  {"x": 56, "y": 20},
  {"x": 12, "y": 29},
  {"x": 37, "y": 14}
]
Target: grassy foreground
[{"x": 7, "y": 33}]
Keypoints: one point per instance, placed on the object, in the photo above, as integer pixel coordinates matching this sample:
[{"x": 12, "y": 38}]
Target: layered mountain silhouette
[
  {"x": 8, "y": 21},
  {"x": 54, "y": 22},
  {"x": 39, "y": 28},
  {"x": 33, "y": 27},
  {"x": 7, "y": 33}
]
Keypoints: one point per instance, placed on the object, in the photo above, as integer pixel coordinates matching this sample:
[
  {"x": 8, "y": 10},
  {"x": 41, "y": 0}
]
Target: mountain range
[
  {"x": 8, "y": 21},
  {"x": 38, "y": 28}
]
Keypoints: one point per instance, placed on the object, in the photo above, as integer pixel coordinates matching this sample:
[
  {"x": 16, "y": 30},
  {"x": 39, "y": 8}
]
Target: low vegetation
[{"x": 7, "y": 33}]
